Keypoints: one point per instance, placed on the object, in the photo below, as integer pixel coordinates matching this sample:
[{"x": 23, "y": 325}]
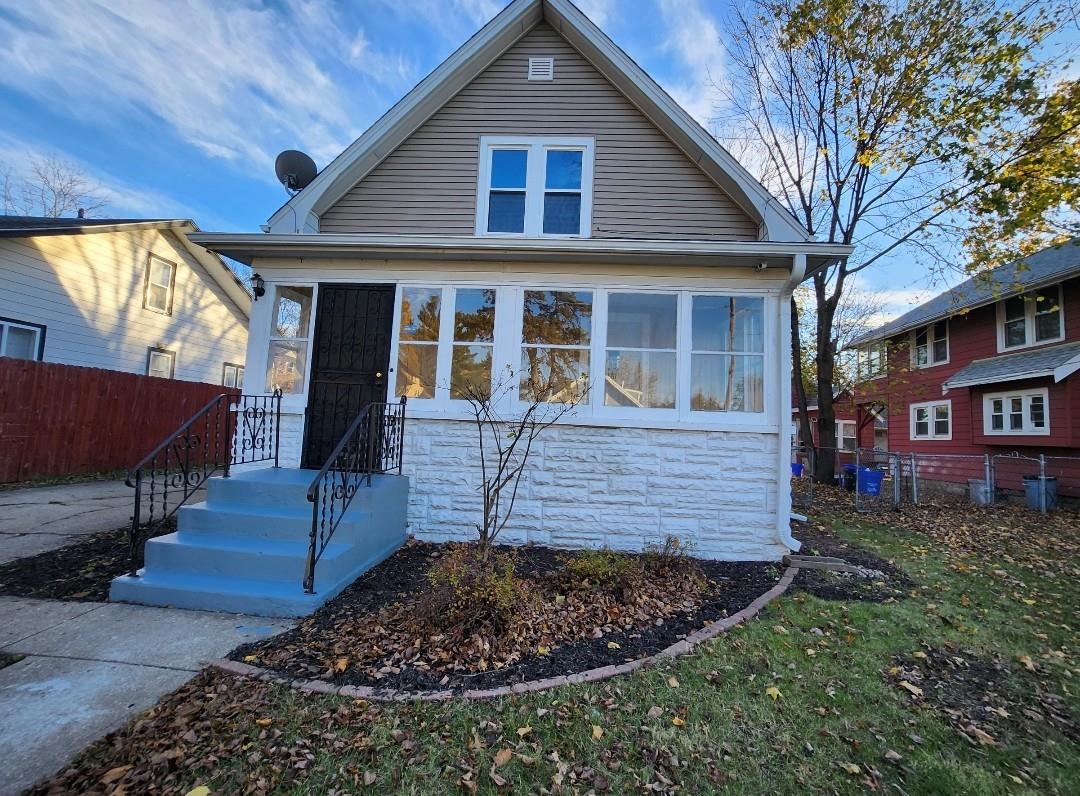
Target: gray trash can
[
  {"x": 1032, "y": 487},
  {"x": 979, "y": 493}
]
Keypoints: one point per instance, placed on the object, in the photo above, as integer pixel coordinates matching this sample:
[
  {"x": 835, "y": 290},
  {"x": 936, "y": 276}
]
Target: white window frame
[
  {"x": 509, "y": 312},
  {"x": 863, "y": 361},
  {"x": 170, "y": 289},
  {"x": 534, "y": 181},
  {"x": 1028, "y": 430},
  {"x": 931, "y": 406},
  {"x": 165, "y": 353},
  {"x": 6, "y": 324},
  {"x": 1030, "y": 311},
  {"x": 237, "y": 375},
  {"x": 931, "y": 361},
  {"x": 298, "y": 398},
  {"x": 841, "y": 436}
]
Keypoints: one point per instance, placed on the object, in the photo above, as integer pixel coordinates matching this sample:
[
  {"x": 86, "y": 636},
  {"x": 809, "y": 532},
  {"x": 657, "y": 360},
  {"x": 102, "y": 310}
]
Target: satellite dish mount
[{"x": 295, "y": 170}]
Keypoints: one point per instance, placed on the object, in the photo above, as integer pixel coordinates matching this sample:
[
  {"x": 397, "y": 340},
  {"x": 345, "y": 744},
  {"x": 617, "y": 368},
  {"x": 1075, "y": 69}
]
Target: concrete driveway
[
  {"x": 90, "y": 667},
  {"x": 36, "y": 519}
]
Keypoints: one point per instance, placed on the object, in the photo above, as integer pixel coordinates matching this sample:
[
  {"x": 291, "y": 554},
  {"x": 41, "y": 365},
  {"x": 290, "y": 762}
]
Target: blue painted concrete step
[{"x": 246, "y": 547}]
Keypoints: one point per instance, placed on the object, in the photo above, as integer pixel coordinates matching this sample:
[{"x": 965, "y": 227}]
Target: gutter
[{"x": 783, "y": 447}]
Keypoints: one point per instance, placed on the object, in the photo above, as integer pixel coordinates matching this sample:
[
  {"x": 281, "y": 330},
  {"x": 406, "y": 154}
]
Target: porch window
[
  {"x": 158, "y": 286},
  {"x": 474, "y": 338},
  {"x": 640, "y": 358},
  {"x": 290, "y": 323},
  {"x": 727, "y": 357},
  {"x": 20, "y": 340},
  {"x": 418, "y": 349},
  {"x": 1029, "y": 319},
  {"x": 931, "y": 345},
  {"x": 870, "y": 361},
  {"x": 535, "y": 186},
  {"x": 931, "y": 420},
  {"x": 1017, "y": 412},
  {"x": 556, "y": 335}
]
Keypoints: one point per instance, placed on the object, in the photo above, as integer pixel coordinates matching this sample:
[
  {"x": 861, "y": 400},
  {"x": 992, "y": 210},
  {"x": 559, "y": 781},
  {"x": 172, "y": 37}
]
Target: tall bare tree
[
  {"x": 881, "y": 123},
  {"x": 51, "y": 187}
]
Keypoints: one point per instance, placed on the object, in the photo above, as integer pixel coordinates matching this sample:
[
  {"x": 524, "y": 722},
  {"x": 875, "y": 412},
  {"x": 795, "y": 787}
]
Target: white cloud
[
  {"x": 599, "y": 11},
  {"x": 694, "y": 40},
  {"x": 237, "y": 80}
]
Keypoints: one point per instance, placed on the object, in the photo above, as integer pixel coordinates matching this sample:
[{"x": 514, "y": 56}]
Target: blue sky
[{"x": 177, "y": 109}]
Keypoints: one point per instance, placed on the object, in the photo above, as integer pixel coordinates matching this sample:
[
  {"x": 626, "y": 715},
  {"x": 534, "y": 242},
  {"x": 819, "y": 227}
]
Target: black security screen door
[{"x": 350, "y": 363}]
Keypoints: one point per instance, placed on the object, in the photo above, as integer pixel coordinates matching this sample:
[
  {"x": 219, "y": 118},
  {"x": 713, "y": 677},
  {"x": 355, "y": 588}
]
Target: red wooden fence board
[{"x": 58, "y": 420}]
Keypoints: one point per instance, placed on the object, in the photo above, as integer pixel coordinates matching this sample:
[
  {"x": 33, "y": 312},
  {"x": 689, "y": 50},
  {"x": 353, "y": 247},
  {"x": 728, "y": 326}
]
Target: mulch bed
[
  {"x": 887, "y": 581},
  {"x": 988, "y": 700},
  {"x": 81, "y": 571},
  {"x": 372, "y": 613}
]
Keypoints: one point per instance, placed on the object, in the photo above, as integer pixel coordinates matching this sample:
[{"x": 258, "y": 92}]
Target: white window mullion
[
  {"x": 446, "y": 348},
  {"x": 598, "y": 361},
  {"x": 683, "y": 342}
]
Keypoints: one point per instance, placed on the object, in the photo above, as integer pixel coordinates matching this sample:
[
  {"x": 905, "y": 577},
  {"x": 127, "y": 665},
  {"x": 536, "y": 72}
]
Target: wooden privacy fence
[{"x": 58, "y": 420}]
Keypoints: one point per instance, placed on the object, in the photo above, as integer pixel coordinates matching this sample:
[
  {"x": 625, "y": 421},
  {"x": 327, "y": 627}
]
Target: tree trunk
[
  {"x": 806, "y": 434},
  {"x": 826, "y": 360}
]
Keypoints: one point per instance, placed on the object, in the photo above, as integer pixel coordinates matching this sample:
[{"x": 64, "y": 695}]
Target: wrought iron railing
[
  {"x": 372, "y": 444},
  {"x": 230, "y": 430}
]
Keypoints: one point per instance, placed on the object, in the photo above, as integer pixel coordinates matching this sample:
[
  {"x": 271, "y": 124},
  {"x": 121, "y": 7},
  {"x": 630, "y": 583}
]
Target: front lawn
[{"x": 962, "y": 684}]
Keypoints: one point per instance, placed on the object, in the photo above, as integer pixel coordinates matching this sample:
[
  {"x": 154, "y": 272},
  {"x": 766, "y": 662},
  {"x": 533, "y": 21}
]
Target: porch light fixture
[{"x": 258, "y": 286}]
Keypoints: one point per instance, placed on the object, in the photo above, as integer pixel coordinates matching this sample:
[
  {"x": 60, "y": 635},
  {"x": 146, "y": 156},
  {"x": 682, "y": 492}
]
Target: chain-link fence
[{"x": 883, "y": 480}]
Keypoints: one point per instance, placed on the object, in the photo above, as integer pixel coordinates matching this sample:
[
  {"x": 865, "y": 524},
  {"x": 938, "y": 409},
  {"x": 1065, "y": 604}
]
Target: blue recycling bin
[
  {"x": 869, "y": 481},
  {"x": 797, "y": 469}
]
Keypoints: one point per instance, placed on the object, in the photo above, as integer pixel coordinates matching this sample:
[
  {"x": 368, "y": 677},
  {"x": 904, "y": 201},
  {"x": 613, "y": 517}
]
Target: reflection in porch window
[
  {"x": 639, "y": 370},
  {"x": 418, "y": 350},
  {"x": 288, "y": 351},
  {"x": 474, "y": 335},
  {"x": 727, "y": 359},
  {"x": 555, "y": 337}
]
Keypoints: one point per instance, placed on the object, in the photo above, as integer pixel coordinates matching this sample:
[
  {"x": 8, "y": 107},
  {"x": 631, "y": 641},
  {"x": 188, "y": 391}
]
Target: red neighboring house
[
  {"x": 847, "y": 420},
  {"x": 988, "y": 367}
]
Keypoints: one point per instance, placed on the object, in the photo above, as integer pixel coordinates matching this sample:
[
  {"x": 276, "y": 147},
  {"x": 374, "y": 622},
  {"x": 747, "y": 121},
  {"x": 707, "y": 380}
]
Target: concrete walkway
[
  {"x": 90, "y": 667},
  {"x": 36, "y": 519}
]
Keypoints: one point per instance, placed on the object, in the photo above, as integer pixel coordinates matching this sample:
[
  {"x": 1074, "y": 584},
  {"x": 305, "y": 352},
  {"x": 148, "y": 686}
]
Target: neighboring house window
[
  {"x": 1032, "y": 318},
  {"x": 20, "y": 340},
  {"x": 931, "y": 345},
  {"x": 619, "y": 354},
  {"x": 287, "y": 358},
  {"x": 1017, "y": 412},
  {"x": 161, "y": 362},
  {"x": 232, "y": 375},
  {"x": 870, "y": 361},
  {"x": 931, "y": 420},
  {"x": 845, "y": 435},
  {"x": 158, "y": 290},
  {"x": 727, "y": 356},
  {"x": 556, "y": 335},
  {"x": 535, "y": 187}
]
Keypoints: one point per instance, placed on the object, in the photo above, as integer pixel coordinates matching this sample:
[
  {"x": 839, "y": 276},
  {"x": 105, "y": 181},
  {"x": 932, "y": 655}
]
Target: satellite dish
[{"x": 295, "y": 170}]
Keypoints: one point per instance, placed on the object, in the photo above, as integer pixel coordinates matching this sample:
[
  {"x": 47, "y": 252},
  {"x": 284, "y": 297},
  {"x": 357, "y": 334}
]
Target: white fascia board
[
  {"x": 240, "y": 245},
  {"x": 663, "y": 111},
  {"x": 405, "y": 117},
  {"x": 1066, "y": 369}
]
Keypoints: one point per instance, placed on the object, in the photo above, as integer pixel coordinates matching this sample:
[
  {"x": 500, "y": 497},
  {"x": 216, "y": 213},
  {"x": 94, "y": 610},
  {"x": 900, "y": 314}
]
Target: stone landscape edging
[{"x": 372, "y": 693}]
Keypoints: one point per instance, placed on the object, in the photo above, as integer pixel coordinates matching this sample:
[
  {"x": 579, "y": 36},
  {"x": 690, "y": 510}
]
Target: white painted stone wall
[{"x": 589, "y": 486}]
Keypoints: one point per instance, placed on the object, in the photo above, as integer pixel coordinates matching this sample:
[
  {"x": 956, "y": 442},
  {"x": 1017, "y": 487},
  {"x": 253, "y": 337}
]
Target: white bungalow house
[{"x": 538, "y": 204}]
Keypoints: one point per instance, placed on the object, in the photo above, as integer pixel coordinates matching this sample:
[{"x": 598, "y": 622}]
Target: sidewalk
[
  {"x": 36, "y": 519},
  {"x": 90, "y": 667}
]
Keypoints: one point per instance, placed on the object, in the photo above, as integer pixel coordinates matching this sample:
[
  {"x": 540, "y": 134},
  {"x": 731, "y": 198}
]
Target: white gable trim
[{"x": 300, "y": 214}]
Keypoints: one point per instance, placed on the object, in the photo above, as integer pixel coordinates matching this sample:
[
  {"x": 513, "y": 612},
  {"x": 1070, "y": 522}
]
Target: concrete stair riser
[{"x": 286, "y": 524}]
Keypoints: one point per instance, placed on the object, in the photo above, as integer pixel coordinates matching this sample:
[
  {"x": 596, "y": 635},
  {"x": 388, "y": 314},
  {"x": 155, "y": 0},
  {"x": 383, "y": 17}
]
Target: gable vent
[{"x": 541, "y": 68}]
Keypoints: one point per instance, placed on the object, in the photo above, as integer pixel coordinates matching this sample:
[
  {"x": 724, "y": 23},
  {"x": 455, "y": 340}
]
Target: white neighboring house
[
  {"x": 120, "y": 294},
  {"x": 539, "y": 173}
]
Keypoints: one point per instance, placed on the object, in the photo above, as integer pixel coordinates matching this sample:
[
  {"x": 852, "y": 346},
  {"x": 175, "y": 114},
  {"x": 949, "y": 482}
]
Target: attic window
[{"x": 542, "y": 68}]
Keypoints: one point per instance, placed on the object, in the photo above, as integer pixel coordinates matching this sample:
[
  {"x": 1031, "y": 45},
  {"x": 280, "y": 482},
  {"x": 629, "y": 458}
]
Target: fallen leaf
[
  {"x": 984, "y": 738},
  {"x": 250, "y": 658},
  {"x": 655, "y": 712},
  {"x": 673, "y": 681},
  {"x": 370, "y": 778},
  {"x": 597, "y": 732},
  {"x": 1028, "y": 663},
  {"x": 893, "y": 756},
  {"x": 497, "y": 778},
  {"x": 780, "y": 629},
  {"x": 914, "y": 689},
  {"x": 199, "y": 790},
  {"x": 502, "y": 757},
  {"x": 341, "y": 664},
  {"x": 774, "y": 692},
  {"x": 851, "y": 768},
  {"x": 523, "y": 731},
  {"x": 264, "y": 722},
  {"x": 678, "y": 722},
  {"x": 114, "y": 774},
  {"x": 542, "y": 650},
  {"x": 611, "y": 645},
  {"x": 919, "y": 654}
]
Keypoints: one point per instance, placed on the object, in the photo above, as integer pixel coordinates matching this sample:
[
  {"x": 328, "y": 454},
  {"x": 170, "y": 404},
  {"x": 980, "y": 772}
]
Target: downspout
[{"x": 783, "y": 409}]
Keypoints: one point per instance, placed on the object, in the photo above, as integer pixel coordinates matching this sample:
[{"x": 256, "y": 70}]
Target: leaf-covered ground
[{"x": 965, "y": 685}]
